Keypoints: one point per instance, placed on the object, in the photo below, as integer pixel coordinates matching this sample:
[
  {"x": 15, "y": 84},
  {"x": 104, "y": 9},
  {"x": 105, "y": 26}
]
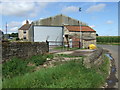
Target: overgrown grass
[
  {"x": 69, "y": 75},
  {"x": 17, "y": 66},
  {"x": 39, "y": 59},
  {"x": 105, "y": 66}
]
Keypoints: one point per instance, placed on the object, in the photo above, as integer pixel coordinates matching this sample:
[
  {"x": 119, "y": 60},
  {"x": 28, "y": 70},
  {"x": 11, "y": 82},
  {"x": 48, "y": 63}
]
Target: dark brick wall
[{"x": 23, "y": 49}]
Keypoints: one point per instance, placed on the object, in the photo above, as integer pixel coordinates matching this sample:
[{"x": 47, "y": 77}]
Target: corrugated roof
[
  {"x": 77, "y": 28},
  {"x": 25, "y": 27}
]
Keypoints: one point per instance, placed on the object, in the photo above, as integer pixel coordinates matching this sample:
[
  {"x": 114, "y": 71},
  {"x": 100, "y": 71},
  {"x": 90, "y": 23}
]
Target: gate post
[
  {"x": 47, "y": 45},
  {"x": 79, "y": 44}
]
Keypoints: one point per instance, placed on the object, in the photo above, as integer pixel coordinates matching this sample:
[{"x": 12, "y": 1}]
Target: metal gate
[{"x": 58, "y": 46}]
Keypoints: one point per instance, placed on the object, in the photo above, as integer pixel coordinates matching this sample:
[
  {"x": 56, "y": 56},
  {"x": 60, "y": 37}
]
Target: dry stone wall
[
  {"x": 94, "y": 59},
  {"x": 23, "y": 49}
]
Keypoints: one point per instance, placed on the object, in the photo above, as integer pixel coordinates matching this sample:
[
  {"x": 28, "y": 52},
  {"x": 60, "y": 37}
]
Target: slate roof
[
  {"x": 25, "y": 27},
  {"x": 77, "y": 28}
]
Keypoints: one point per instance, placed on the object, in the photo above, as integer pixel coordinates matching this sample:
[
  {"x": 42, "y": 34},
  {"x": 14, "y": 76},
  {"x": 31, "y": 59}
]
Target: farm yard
[{"x": 72, "y": 46}]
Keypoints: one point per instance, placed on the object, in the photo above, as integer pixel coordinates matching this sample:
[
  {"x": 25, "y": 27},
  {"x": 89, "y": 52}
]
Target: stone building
[
  {"x": 88, "y": 35},
  {"x": 23, "y": 31}
]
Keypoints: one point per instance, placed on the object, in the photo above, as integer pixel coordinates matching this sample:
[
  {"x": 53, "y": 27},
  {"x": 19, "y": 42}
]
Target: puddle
[
  {"x": 108, "y": 55},
  {"x": 110, "y": 81},
  {"x": 113, "y": 69}
]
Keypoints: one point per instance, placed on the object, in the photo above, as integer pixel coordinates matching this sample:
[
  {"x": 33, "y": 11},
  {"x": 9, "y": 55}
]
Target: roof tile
[{"x": 77, "y": 28}]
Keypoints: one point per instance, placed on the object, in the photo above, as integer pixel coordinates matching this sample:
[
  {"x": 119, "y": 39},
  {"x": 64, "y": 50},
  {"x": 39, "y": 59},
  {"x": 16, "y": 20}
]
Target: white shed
[{"x": 53, "y": 34}]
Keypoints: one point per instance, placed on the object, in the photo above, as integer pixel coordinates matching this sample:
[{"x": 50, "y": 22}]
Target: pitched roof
[
  {"x": 63, "y": 20},
  {"x": 25, "y": 27},
  {"x": 77, "y": 28}
]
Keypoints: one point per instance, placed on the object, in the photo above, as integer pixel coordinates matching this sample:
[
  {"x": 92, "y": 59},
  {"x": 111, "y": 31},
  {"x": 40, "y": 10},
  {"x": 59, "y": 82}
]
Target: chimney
[{"x": 27, "y": 22}]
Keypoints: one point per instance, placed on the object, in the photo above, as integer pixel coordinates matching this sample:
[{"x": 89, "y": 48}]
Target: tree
[{"x": 14, "y": 35}]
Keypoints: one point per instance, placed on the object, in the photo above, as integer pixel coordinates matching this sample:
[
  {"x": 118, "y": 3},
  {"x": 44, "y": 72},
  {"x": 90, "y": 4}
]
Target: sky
[{"x": 101, "y": 16}]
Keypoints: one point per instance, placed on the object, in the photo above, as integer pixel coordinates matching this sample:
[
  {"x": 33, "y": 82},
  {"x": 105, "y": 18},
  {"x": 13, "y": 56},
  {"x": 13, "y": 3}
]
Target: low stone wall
[
  {"x": 23, "y": 49},
  {"x": 94, "y": 59}
]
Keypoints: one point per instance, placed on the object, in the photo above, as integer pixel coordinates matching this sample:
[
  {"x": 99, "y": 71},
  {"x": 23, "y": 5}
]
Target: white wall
[{"x": 50, "y": 33}]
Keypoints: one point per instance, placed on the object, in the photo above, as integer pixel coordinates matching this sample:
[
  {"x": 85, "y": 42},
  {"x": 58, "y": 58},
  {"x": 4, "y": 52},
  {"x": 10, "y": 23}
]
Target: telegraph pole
[
  {"x": 80, "y": 31},
  {"x": 6, "y": 28}
]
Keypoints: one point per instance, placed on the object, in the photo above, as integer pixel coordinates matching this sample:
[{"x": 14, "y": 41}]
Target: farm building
[
  {"x": 59, "y": 35},
  {"x": 88, "y": 35},
  {"x": 58, "y": 20},
  {"x": 23, "y": 31},
  {"x": 46, "y": 33},
  {"x": 59, "y": 30}
]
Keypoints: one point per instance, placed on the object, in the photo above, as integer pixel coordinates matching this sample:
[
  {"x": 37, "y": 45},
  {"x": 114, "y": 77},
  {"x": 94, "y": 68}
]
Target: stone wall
[
  {"x": 95, "y": 58},
  {"x": 23, "y": 49}
]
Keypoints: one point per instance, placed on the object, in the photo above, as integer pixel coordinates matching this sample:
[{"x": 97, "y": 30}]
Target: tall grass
[
  {"x": 16, "y": 66},
  {"x": 68, "y": 75}
]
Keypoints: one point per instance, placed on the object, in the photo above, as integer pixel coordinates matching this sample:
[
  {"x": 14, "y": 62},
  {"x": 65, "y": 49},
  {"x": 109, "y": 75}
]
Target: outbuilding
[{"x": 75, "y": 33}]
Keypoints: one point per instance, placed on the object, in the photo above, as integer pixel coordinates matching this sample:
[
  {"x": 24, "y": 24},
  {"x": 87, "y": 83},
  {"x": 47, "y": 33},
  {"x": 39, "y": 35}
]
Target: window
[
  {"x": 24, "y": 32},
  {"x": 24, "y": 38}
]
